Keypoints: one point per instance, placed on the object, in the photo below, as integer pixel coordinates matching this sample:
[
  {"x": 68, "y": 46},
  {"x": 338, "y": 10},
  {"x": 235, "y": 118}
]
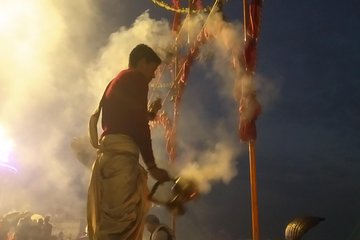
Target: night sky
[
  {"x": 307, "y": 147},
  {"x": 308, "y": 137}
]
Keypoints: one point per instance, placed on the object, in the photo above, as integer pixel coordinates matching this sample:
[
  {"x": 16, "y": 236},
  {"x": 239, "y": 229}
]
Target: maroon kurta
[{"x": 124, "y": 110}]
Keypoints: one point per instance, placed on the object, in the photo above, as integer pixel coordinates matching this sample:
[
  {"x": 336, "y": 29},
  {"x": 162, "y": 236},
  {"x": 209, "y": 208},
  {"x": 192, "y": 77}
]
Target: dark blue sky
[
  {"x": 308, "y": 142},
  {"x": 308, "y": 139}
]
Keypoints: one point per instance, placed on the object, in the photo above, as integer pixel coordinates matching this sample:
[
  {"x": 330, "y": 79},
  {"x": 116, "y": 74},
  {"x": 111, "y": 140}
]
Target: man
[
  {"x": 117, "y": 197},
  {"x": 158, "y": 231},
  {"x": 47, "y": 228}
]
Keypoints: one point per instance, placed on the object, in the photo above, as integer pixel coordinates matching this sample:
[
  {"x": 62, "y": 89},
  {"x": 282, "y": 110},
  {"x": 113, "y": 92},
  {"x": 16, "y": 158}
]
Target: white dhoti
[{"x": 117, "y": 196}]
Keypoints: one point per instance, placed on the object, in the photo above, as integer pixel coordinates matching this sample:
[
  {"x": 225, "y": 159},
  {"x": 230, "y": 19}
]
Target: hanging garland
[{"x": 180, "y": 9}]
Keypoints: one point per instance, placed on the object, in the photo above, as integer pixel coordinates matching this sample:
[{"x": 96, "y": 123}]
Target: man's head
[
  {"x": 144, "y": 59},
  {"x": 151, "y": 222},
  {"x": 47, "y": 219}
]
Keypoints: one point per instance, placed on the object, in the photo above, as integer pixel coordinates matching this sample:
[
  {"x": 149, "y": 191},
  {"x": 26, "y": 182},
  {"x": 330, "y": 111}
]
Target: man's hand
[
  {"x": 155, "y": 106},
  {"x": 159, "y": 174}
]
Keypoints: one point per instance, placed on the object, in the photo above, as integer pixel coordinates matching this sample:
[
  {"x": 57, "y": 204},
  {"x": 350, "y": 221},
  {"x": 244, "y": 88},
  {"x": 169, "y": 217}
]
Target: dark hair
[
  {"x": 143, "y": 51},
  {"x": 152, "y": 219}
]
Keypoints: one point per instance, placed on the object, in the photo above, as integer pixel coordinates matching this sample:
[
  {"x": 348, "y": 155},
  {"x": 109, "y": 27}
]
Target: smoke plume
[{"x": 55, "y": 66}]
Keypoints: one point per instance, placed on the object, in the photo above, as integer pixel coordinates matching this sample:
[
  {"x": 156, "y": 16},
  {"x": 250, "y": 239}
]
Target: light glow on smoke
[
  {"x": 39, "y": 78},
  {"x": 6, "y": 146},
  {"x": 51, "y": 81}
]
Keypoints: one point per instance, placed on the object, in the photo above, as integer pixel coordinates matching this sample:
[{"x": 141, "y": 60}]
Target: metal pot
[{"x": 182, "y": 191}]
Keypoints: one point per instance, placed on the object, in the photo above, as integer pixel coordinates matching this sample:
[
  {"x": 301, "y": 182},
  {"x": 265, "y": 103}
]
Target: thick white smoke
[
  {"x": 53, "y": 75},
  {"x": 42, "y": 100},
  {"x": 114, "y": 55},
  {"x": 157, "y": 34}
]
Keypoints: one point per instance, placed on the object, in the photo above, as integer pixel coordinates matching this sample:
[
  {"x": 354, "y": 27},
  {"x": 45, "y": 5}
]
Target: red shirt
[{"x": 124, "y": 110}]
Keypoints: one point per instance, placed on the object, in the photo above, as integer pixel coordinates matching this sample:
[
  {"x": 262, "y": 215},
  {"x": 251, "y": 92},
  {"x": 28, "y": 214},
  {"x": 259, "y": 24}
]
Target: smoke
[
  {"x": 52, "y": 77},
  {"x": 205, "y": 155},
  {"x": 209, "y": 166},
  {"x": 114, "y": 56},
  {"x": 157, "y": 34},
  {"x": 43, "y": 57},
  {"x": 208, "y": 149},
  {"x": 222, "y": 49}
]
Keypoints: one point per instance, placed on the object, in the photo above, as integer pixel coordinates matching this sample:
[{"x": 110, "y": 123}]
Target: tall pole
[
  {"x": 245, "y": 13},
  {"x": 254, "y": 197},
  {"x": 249, "y": 106}
]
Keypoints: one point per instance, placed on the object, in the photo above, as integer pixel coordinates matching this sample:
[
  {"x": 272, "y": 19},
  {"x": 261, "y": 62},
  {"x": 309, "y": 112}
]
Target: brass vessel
[{"x": 182, "y": 191}]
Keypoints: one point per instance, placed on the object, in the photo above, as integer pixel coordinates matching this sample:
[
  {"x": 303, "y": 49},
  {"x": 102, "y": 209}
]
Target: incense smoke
[
  {"x": 42, "y": 96},
  {"x": 53, "y": 75},
  {"x": 215, "y": 151},
  {"x": 50, "y": 88}
]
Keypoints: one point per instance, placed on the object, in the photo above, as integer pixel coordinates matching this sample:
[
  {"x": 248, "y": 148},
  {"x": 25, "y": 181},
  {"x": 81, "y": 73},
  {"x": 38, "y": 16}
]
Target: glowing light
[
  {"x": 36, "y": 217},
  {"x": 27, "y": 31},
  {"x": 17, "y": 20},
  {"x": 6, "y": 146},
  {"x": 8, "y": 167},
  {"x": 14, "y": 14}
]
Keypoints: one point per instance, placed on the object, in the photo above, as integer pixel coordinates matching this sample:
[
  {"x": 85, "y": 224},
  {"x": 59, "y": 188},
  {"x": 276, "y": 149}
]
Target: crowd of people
[
  {"x": 29, "y": 226},
  {"x": 21, "y": 226},
  {"x": 24, "y": 226}
]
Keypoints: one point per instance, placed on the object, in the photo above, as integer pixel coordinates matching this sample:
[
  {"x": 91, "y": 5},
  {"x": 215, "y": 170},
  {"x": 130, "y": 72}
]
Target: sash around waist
[{"x": 118, "y": 143}]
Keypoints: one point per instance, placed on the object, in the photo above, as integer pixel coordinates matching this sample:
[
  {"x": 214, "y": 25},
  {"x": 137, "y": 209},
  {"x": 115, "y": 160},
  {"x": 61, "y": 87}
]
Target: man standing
[
  {"x": 47, "y": 228},
  {"x": 158, "y": 231},
  {"x": 117, "y": 197}
]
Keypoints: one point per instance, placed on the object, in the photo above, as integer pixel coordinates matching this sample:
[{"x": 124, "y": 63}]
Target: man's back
[
  {"x": 125, "y": 104},
  {"x": 125, "y": 112}
]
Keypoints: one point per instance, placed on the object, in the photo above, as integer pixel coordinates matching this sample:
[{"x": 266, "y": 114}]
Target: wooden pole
[
  {"x": 254, "y": 197},
  {"x": 245, "y": 13}
]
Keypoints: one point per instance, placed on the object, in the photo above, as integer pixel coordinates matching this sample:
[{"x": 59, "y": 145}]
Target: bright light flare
[
  {"x": 17, "y": 28},
  {"x": 6, "y": 146},
  {"x": 14, "y": 14},
  {"x": 28, "y": 30}
]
